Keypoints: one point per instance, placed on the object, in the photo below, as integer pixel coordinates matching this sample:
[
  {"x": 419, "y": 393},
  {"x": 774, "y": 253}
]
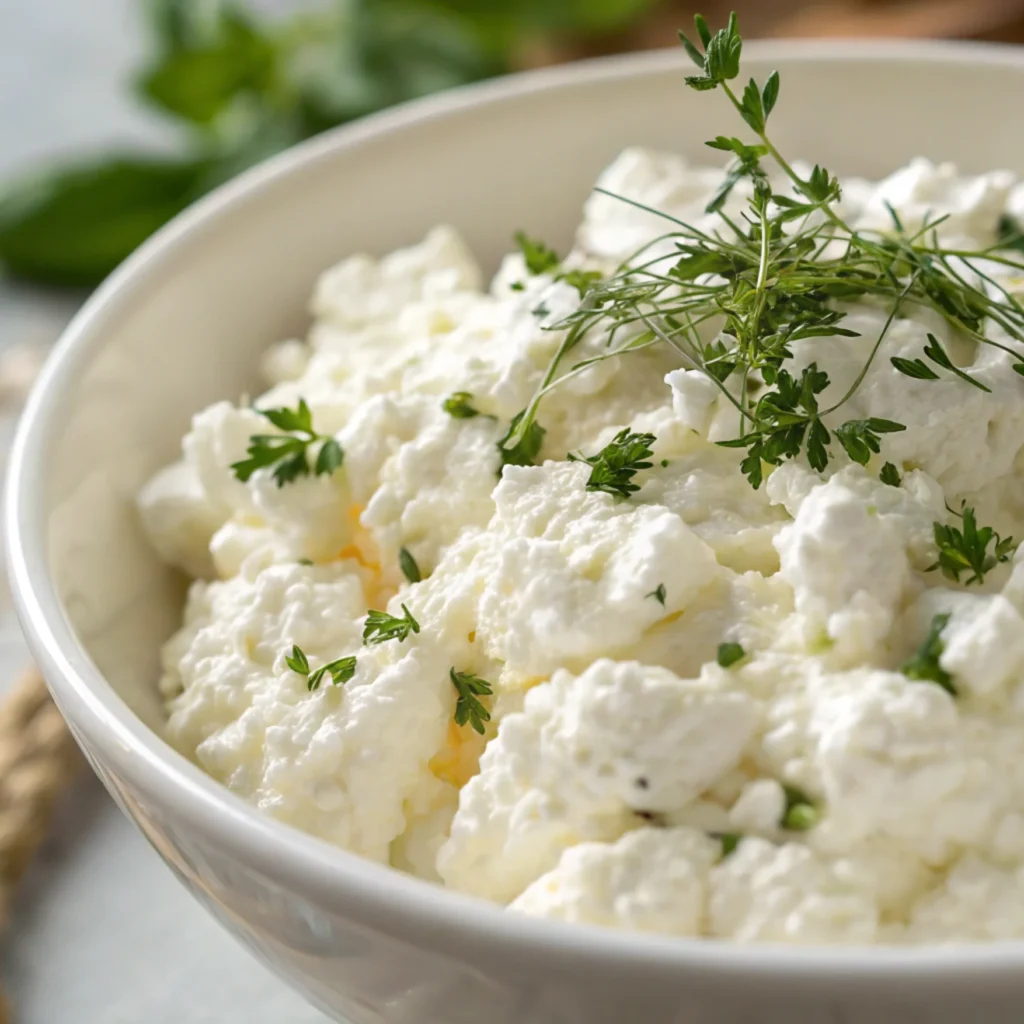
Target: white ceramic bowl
[{"x": 182, "y": 323}]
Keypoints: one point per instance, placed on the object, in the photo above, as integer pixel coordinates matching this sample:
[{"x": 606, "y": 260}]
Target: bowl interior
[{"x": 183, "y": 323}]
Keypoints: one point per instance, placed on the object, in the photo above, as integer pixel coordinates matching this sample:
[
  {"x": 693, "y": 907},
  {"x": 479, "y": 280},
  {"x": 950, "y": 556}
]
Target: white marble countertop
[{"x": 102, "y": 933}]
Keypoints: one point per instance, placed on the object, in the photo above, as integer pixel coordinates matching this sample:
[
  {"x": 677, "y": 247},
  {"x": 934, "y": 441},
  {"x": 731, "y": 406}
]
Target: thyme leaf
[
  {"x": 340, "y": 670},
  {"x": 381, "y": 627}
]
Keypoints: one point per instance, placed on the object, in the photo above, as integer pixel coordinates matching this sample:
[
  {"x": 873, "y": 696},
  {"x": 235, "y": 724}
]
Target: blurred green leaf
[
  {"x": 182, "y": 24},
  {"x": 246, "y": 88},
  {"x": 270, "y": 133},
  {"x": 199, "y": 83},
  {"x": 73, "y": 227},
  {"x": 408, "y": 50},
  {"x": 554, "y": 15},
  {"x": 383, "y": 52}
]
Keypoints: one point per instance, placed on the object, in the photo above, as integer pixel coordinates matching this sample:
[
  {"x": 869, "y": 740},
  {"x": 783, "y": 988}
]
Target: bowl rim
[{"x": 373, "y": 894}]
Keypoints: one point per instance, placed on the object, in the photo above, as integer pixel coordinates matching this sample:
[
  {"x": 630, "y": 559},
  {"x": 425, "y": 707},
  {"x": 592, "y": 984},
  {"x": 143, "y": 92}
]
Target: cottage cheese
[{"x": 624, "y": 777}]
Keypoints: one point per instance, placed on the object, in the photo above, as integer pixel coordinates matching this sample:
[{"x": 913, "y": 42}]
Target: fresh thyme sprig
[
  {"x": 381, "y": 627},
  {"x": 779, "y": 274},
  {"x": 469, "y": 708},
  {"x": 920, "y": 370},
  {"x": 615, "y": 465},
  {"x": 924, "y": 665},
  {"x": 659, "y": 593},
  {"x": 288, "y": 451},
  {"x": 967, "y": 549},
  {"x": 341, "y": 670}
]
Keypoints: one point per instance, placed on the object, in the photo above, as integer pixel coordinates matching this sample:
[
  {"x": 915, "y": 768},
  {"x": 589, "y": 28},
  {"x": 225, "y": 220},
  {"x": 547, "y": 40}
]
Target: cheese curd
[
  {"x": 652, "y": 880},
  {"x": 687, "y": 706},
  {"x": 589, "y": 757}
]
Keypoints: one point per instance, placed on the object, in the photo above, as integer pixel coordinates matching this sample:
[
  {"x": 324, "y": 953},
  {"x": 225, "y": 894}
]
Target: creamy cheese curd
[{"x": 803, "y": 789}]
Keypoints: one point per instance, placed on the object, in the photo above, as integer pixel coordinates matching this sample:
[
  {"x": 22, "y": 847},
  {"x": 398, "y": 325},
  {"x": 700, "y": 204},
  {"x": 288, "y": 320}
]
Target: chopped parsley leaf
[
  {"x": 288, "y": 452},
  {"x": 526, "y": 450},
  {"x": 729, "y": 841},
  {"x": 615, "y": 465},
  {"x": 459, "y": 406},
  {"x": 469, "y": 708},
  {"x": 539, "y": 258},
  {"x": 800, "y": 814},
  {"x": 924, "y": 665},
  {"x": 967, "y": 549},
  {"x": 729, "y": 654},
  {"x": 890, "y": 475}
]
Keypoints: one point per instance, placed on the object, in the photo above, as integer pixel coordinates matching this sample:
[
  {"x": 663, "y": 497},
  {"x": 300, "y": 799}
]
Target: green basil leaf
[
  {"x": 74, "y": 226},
  {"x": 199, "y": 84},
  {"x": 182, "y": 24}
]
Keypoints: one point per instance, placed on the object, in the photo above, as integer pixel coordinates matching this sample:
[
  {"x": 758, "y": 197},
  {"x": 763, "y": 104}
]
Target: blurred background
[
  {"x": 151, "y": 103},
  {"x": 115, "y": 114}
]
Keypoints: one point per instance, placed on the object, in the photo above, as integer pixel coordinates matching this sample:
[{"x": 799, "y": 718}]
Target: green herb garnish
[
  {"x": 920, "y": 370},
  {"x": 890, "y": 475},
  {"x": 288, "y": 452},
  {"x": 539, "y": 258},
  {"x": 459, "y": 406},
  {"x": 659, "y": 594},
  {"x": 240, "y": 86},
  {"x": 782, "y": 272},
  {"x": 581, "y": 280},
  {"x": 381, "y": 627},
  {"x": 408, "y": 565},
  {"x": 924, "y": 665},
  {"x": 801, "y": 813},
  {"x": 468, "y": 708},
  {"x": 525, "y": 451},
  {"x": 788, "y": 417},
  {"x": 967, "y": 549},
  {"x": 340, "y": 671},
  {"x": 729, "y": 654},
  {"x": 860, "y": 437},
  {"x": 615, "y": 465},
  {"x": 729, "y": 841},
  {"x": 1010, "y": 235}
]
